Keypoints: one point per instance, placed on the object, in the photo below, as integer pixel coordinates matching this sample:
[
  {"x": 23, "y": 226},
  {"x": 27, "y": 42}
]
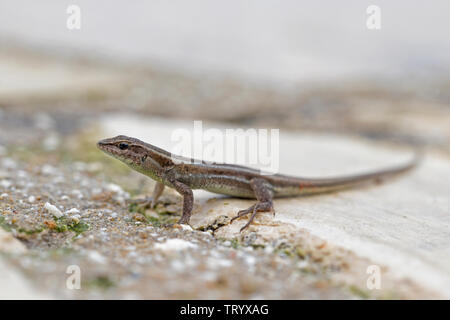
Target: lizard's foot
[
  {"x": 183, "y": 220},
  {"x": 258, "y": 207},
  {"x": 242, "y": 213},
  {"x": 144, "y": 203}
]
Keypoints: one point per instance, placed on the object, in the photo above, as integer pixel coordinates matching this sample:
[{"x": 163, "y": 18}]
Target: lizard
[{"x": 185, "y": 174}]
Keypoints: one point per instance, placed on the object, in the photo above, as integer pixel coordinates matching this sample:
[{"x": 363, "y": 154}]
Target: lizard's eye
[{"x": 123, "y": 146}]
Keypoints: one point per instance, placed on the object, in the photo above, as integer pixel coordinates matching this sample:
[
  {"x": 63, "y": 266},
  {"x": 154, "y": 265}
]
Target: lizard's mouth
[
  {"x": 107, "y": 147},
  {"x": 113, "y": 151},
  {"x": 119, "y": 150}
]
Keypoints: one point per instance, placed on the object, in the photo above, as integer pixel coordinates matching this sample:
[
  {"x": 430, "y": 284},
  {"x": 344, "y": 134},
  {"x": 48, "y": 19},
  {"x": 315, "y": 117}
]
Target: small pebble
[
  {"x": 114, "y": 188},
  {"x": 53, "y": 210},
  {"x": 73, "y": 211},
  {"x": 186, "y": 227}
]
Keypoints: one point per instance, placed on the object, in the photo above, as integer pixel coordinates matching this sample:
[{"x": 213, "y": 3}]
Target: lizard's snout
[{"x": 103, "y": 143}]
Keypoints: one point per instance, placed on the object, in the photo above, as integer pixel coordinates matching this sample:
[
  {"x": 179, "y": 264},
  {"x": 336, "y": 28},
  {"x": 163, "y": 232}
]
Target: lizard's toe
[
  {"x": 259, "y": 207},
  {"x": 242, "y": 213}
]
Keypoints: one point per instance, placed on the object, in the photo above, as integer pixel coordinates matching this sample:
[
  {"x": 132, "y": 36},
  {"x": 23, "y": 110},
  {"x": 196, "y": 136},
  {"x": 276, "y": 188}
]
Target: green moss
[
  {"x": 61, "y": 228},
  {"x": 64, "y": 224},
  {"x": 31, "y": 231},
  {"x": 79, "y": 227}
]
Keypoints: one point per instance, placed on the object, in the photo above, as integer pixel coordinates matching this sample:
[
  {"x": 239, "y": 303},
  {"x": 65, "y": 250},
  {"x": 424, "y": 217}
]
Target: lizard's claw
[
  {"x": 242, "y": 213},
  {"x": 258, "y": 207}
]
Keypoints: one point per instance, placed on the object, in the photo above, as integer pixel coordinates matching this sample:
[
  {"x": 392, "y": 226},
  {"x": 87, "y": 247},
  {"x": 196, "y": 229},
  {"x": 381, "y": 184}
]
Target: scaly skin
[{"x": 185, "y": 174}]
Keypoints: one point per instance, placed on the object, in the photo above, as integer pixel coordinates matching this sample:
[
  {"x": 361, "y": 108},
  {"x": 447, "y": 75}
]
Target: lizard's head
[{"x": 128, "y": 150}]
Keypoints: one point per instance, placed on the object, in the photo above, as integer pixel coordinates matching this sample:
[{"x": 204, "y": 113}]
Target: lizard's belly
[
  {"x": 231, "y": 191},
  {"x": 231, "y": 186}
]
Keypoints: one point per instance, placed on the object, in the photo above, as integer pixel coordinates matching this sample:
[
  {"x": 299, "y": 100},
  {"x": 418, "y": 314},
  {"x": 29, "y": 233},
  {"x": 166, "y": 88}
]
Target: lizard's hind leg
[{"x": 264, "y": 195}]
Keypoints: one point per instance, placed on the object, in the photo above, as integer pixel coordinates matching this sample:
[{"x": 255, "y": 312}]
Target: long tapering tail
[{"x": 312, "y": 186}]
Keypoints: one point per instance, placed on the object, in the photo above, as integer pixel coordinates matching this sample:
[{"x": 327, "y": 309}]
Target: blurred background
[
  {"x": 143, "y": 68},
  {"x": 296, "y": 65}
]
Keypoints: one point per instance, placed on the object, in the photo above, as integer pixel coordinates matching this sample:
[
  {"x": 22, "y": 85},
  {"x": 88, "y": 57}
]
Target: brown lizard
[{"x": 185, "y": 174}]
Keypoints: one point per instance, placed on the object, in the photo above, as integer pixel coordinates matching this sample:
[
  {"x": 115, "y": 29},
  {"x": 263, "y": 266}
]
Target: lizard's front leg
[
  {"x": 264, "y": 195},
  {"x": 188, "y": 200}
]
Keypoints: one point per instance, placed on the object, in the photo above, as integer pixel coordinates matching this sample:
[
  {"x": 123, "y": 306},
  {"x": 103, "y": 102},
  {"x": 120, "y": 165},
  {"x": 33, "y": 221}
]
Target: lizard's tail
[{"x": 311, "y": 186}]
